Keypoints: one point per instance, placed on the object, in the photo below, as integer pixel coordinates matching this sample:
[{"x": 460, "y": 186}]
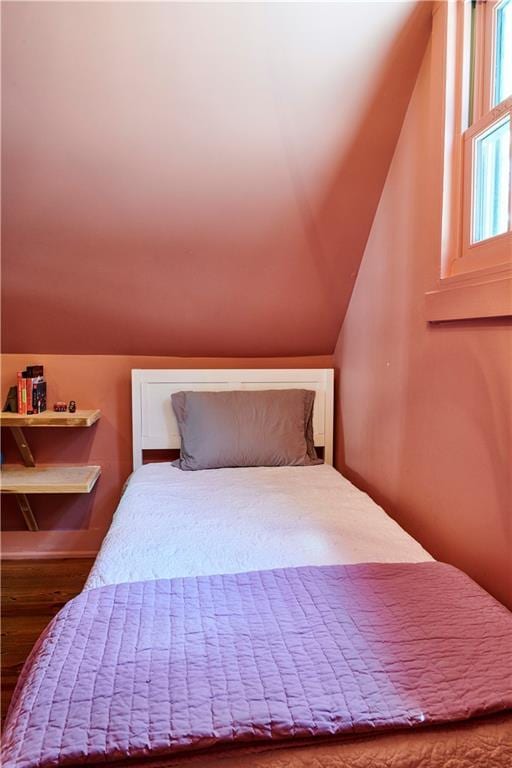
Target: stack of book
[{"x": 31, "y": 390}]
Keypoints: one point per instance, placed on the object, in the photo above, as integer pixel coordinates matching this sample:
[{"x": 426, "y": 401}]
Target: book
[
  {"x": 31, "y": 390},
  {"x": 34, "y": 371},
  {"x": 32, "y": 393},
  {"x": 22, "y": 394},
  {"x": 28, "y": 385},
  {"x": 39, "y": 396},
  {"x": 19, "y": 384}
]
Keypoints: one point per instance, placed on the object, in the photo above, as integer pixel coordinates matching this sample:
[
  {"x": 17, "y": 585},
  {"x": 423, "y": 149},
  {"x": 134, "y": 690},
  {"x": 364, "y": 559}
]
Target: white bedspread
[{"x": 172, "y": 523}]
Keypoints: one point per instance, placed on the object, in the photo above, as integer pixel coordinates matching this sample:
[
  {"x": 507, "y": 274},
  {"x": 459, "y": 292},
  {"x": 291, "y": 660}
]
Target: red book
[
  {"x": 18, "y": 385},
  {"x": 29, "y": 383},
  {"x": 22, "y": 402}
]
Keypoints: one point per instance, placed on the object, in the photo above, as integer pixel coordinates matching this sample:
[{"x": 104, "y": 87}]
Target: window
[
  {"x": 472, "y": 50},
  {"x": 503, "y": 55},
  {"x": 486, "y": 217},
  {"x": 491, "y": 182}
]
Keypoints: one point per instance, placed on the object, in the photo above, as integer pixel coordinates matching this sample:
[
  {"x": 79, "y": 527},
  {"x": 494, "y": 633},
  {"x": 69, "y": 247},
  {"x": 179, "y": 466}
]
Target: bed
[
  {"x": 171, "y": 523},
  {"x": 280, "y": 539}
]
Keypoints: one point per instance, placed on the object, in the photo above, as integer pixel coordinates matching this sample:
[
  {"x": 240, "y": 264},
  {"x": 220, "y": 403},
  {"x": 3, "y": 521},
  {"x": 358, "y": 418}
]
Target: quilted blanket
[{"x": 151, "y": 668}]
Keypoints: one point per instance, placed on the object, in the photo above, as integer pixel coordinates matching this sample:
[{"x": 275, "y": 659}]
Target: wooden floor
[{"x": 33, "y": 591}]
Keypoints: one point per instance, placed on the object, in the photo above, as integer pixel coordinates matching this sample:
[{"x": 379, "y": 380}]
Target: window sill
[{"x": 478, "y": 294}]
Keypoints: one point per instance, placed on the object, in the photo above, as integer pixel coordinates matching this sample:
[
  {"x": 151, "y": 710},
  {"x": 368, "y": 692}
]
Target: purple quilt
[{"x": 151, "y": 668}]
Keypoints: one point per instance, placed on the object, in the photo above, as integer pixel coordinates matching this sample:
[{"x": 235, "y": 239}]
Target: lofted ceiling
[{"x": 195, "y": 179}]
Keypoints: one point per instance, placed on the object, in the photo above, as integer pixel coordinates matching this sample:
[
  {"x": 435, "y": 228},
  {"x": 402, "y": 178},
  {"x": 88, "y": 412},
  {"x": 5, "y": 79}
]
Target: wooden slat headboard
[{"x": 153, "y": 422}]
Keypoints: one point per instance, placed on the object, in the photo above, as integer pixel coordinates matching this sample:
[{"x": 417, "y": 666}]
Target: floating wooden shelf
[
  {"x": 83, "y": 418},
  {"x": 55, "y": 478}
]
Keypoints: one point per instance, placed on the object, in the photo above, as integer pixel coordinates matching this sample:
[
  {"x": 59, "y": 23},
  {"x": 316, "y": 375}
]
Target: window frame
[
  {"x": 492, "y": 250},
  {"x": 484, "y": 53},
  {"x": 481, "y": 114},
  {"x": 475, "y": 279}
]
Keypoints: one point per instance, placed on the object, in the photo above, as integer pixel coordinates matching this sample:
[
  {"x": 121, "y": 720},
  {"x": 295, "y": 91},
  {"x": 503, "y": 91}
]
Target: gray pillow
[{"x": 261, "y": 428}]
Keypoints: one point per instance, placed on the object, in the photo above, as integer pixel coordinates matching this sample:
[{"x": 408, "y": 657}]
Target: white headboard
[{"x": 153, "y": 421}]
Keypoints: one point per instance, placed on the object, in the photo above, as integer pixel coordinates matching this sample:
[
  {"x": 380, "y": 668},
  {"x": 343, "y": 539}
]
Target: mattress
[{"x": 171, "y": 523}]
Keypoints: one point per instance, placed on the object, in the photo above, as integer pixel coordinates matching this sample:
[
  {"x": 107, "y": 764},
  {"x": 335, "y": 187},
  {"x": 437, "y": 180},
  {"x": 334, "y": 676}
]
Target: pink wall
[
  {"x": 424, "y": 411},
  {"x": 183, "y": 180},
  {"x": 76, "y": 524},
  {"x": 193, "y": 178}
]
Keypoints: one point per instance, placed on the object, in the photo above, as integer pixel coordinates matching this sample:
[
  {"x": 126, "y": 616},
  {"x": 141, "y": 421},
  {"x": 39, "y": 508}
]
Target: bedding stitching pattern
[
  {"x": 156, "y": 667},
  {"x": 172, "y": 524}
]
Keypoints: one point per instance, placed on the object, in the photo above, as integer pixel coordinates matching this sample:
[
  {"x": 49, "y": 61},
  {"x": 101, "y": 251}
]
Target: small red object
[{"x": 60, "y": 406}]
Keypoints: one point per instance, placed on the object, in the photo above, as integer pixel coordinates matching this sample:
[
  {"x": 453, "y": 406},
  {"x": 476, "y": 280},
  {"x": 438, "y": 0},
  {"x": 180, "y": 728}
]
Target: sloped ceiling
[{"x": 195, "y": 179}]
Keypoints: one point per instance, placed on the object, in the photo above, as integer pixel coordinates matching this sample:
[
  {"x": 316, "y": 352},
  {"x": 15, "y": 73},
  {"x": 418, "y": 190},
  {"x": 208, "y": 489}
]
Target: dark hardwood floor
[{"x": 33, "y": 591}]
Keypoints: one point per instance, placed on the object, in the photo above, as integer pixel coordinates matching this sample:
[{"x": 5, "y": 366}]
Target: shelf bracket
[
  {"x": 26, "y": 511},
  {"x": 23, "y": 446},
  {"x": 29, "y": 461}
]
